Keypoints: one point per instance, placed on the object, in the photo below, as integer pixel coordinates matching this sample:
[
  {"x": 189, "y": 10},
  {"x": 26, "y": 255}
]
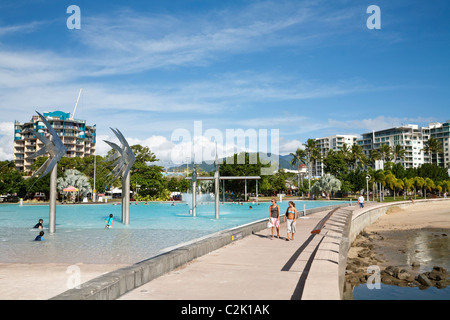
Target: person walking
[
  {"x": 361, "y": 201},
  {"x": 290, "y": 218},
  {"x": 274, "y": 218}
]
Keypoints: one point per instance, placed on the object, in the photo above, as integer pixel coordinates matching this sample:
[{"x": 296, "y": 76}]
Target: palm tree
[
  {"x": 399, "y": 153},
  {"x": 429, "y": 184},
  {"x": 381, "y": 179},
  {"x": 313, "y": 153},
  {"x": 75, "y": 178},
  {"x": 299, "y": 157},
  {"x": 433, "y": 145},
  {"x": 386, "y": 152},
  {"x": 418, "y": 184},
  {"x": 326, "y": 184},
  {"x": 357, "y": 156},
  {"x": 409, "y": 184}
]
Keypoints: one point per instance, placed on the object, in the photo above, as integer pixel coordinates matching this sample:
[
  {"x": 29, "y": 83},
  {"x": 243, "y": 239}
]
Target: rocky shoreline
[{"x": 365, "y": 253}]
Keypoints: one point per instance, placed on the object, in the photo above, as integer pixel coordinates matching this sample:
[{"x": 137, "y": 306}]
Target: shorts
[
  {"x": 273, "y": 222},
  {"x": 290, "y": 225}
]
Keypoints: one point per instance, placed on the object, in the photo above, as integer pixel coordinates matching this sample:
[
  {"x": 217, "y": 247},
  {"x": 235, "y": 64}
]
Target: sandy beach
[
  {"x": 420, "y": 215},
  {"x": 410, "y": 242},
  {"x": 399, "y": 236}
]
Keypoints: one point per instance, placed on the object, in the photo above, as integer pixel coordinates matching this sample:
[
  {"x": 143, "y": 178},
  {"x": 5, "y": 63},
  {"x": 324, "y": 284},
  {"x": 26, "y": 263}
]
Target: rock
[
  {"x": 440, "y": 269},
  {"x": 390, "y": 270},
  {"x": 415, "y": 264},
  {"x": 403, "y": 275},
  {"x": 376, "y": 237},
  {"x": 423, "y": 280}
]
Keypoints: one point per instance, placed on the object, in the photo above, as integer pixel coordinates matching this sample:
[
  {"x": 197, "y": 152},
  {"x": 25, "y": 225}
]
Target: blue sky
[{"x": 308, "y": 68}]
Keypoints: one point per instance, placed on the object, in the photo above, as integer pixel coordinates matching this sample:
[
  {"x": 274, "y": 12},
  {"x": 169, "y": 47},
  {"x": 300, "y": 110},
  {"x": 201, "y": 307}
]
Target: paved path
[{"x": 253, "y": 268}]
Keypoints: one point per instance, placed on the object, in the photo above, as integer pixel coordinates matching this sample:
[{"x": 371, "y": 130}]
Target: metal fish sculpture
[
  {"x": 53, "y": 146},
  {"x": 123, "y": 155}
]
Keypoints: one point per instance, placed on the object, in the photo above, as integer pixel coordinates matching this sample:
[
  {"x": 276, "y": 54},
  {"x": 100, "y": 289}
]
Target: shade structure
[{"x": 70, "y": 189}]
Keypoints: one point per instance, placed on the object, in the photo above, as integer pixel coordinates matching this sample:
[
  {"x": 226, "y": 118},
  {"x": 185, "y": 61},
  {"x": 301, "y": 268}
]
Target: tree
[
  {"x": 147, "y": 178},
  {"x": 313, "y": 155},
  {"x": 11, "y": 181},
  {"x": 419, "y": 182},
  {"x": 433, "y": 145},
  {"x": 429, "y": 184},
  {"x": 335, "y": 164},
  {"x": 381, "y": 179},
  {"x": 356, "y": 156},
  {"x": 398, "y": 153},
  {"x": 298, "y": 158},
  {"x": 326, "y": 184},
  {"x": 385, "y": 152},
  {"x": 74, "y": 178},
  {"x": 408, "y": 185}
]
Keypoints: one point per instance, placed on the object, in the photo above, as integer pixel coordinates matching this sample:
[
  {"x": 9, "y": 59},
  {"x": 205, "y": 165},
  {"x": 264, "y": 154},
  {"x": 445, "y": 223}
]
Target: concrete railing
[{"x": 326, "y": 273}]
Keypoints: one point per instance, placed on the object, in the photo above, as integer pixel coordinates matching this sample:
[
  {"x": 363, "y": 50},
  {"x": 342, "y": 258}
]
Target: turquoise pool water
[{"x": 81, "y": 237}]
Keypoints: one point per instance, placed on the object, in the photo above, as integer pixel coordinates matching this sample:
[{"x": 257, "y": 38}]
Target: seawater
[{"x": 81, "y": 236}]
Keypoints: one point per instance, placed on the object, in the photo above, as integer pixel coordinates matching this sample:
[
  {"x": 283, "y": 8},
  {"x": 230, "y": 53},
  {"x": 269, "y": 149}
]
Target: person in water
[
  {"x": 39, "y": 224},
  {"x": 274, "y": 218},
  {"x": 290, "y": 217},
  {"x": 39, "y": 236},
  {"x": 109, "y": 222}
]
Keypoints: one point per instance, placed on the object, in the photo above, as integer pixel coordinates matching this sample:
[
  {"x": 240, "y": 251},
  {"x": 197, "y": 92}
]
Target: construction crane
[{"x": 76, "y": 104}]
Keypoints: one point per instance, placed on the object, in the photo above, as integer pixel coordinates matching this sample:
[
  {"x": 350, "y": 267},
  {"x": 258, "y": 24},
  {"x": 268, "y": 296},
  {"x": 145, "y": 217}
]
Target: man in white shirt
[{"x": 361, "y": 201}]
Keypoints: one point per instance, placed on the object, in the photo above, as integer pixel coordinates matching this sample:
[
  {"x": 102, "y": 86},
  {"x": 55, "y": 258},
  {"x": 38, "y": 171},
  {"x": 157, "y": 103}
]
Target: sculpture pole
[
  {"x": 194, "y": 192},
  {"x": 52, "y": 201},
  {"x": 126, "y": 199},
  {"x": 125, "y": 159},
  {"x": 56, "y": 150},
  {"x": 216, "y": 185}
]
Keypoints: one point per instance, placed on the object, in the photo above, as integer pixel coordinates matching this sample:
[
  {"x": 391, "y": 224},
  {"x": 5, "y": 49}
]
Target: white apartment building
[
  {"x": 413, "y": 139},
  {"x": 334, "y": 143}
]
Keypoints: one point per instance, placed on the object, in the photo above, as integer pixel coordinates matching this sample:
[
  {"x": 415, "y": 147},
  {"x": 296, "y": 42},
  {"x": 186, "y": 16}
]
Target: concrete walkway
[{"x": 253, "y": 268}]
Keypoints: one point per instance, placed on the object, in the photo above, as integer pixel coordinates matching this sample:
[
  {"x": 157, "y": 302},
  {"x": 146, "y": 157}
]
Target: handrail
[{"x": 322, "y": 222}]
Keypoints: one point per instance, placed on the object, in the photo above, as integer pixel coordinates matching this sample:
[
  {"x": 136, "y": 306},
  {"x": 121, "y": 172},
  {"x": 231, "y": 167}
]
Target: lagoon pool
[{"x": 80, "y": 235}]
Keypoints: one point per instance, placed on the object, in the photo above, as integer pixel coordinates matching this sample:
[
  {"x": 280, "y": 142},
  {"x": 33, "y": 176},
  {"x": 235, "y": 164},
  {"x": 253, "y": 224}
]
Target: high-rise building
[
  {"x": 412, "y": 139},
  {"x": 334, "y": 143},
  {"x": 440, "y": 131},
  {"x": 77, "y": 137}
]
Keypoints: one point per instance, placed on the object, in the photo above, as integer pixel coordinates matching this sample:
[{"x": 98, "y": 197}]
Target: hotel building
[
  {"x": 334, "y": 143},
  {"x": 77, "y": 137},
  {"x": 413, "y": 139}
]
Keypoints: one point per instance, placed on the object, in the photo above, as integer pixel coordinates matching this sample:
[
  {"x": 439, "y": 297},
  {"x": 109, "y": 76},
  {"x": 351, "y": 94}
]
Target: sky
[{"x": 160, "y": 70}]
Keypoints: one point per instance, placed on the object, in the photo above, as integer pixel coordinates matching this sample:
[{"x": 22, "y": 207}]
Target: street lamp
[{"x": 367, "y": 185}]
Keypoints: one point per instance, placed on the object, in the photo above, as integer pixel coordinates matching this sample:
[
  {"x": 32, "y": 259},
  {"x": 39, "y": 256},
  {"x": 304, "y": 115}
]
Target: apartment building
[
  {"x": 334, "y": 143},
  {"x": 77, "y": 137},
  {"x": 440, "y": 131},
  {"x": 412, "y": 138}
]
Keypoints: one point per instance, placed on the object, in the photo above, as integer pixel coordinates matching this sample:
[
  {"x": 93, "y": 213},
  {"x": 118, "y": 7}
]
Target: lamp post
[{"x": 367, "y": 185}]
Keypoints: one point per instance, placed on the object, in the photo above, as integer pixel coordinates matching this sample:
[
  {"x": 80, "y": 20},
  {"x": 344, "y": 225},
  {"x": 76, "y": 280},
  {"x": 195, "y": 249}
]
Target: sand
[
  {"x": 24, "y": 281},
  {"x": 425, "y": 215},
  {"x": 419, "y": 234}
]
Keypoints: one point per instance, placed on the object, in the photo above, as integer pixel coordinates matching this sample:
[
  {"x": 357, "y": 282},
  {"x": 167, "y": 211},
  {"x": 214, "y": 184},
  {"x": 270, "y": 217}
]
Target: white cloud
[{"x": 6, "y": 140}]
